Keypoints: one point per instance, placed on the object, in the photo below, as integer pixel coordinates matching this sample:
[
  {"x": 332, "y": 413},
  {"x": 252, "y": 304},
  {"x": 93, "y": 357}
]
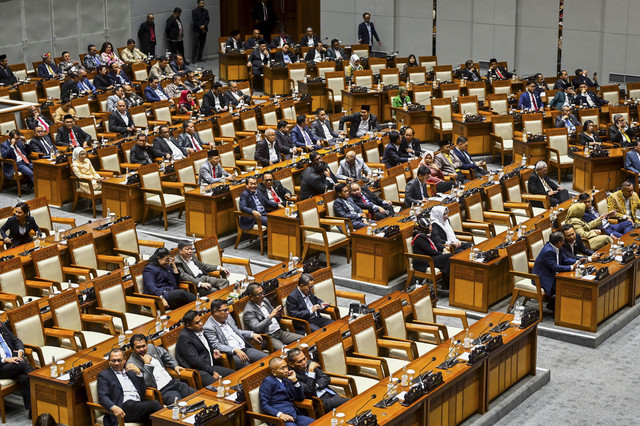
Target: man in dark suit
[
  {"x": 267, "y": 150},
  {"x": 262, "y": 318},
  {"x": 318, "y": 54},
  {"x": 632, "y": 158},
  {"x": 234, "y": 42},
  {"x": 497, "y": 73},
  {"x": 391, "y": 156},
  {"x": 360, "y": 123},
  {"x": 122, "y": 392},
  {"x": 367, "y": 31},
  {"x": 335, "y": 51},
  {"x": 409, "y": 145},
  {"x": 223, "y": 334},
  {"x": 322, "y": 128},
  {"x": 48, "y": 69},
  {"x": 309, "y": 39},
  {"x": 143, "y": 152},
  {"x": 283, "y": 139},
  {"x": 620, "y": 132},
  {"x": 282, "y": 39},
  {"x": 14, "y": 366},
  {"x": 214, "y": 100},
  {"x": 120, "y": 121},
  {"x": 72, "y": 136},
  {"x": 175, "y": 32},
  {"x": 154, "y": 91},
  {"x": 253, "y": 203},
  {"x": 530, "y": 100},
  {"x": 6, "y": 75},
  {"x": 470, "y": 72},
  {"x": 263, "y": 17},
  {"x": 549, "y": 262},
  {"x": 588, "y": 98},
  {"x": 14, "y": 148},
  {"x": 192, "y": 83},
  {"x": 573, "y": 247},
  {"x": 147, "y": 36},
  {"x": 302, "y": 135},
  {"x": 582, "y": 76},
  {"x": 541, "y": 84},
  {"x": 235, "y": 96},
  {"x": 41, "y": 143},
  {"x": 562, "y": 98},
  {"x": 200, "y": 20},
  {"x": 367, "y": 200},
  {"x": 35, "y": 118},
  {"x": 153, "y": 361},
  {"x": 303, "y": 304},
  {"x": 278, "y": 391},
  {"x": 211, "y": 170},
  {"x": 273, "y": 190},
  {"x": 563, "y": 81},
  {"x": 286, "y": 56},
  {"x": 194, "y": 351},
  {"x": 255, "y": 40},
  {"x": 316, "y": 179},
  {"x": 165, "y": 144},
  {"x": 566, "y": 119},
  {"x": 539, "y": 183},
  {"x": 344, "y": 206},
  {"x": 462, "y": 152},
  {"x": 416, "y": 190},
  {"x": 70, "y": 86},
  {"x": 257, "y": 60},
  {"x": 314, "y": 381},
  {"x": 189, "y": 139},
  {"x": 201, "y": 274}
]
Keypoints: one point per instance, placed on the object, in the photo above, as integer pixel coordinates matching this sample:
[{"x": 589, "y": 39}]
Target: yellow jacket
[{"x": 615, "y": 202}]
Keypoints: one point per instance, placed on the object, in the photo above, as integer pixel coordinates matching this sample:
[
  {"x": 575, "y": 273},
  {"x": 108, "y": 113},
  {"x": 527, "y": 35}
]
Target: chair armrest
[
  {"x": 29, "y": 350},
  {"x": 153, "y": 393},
  {"x": 501, "y": 215},
  {"x": 14, "y": 299},
  {"x": 409, "y": 347},
  {"x": 455, "y": 313},
  {"x": 537, "y": 197},
  {"x": 191, "y": 377},
  {"x": 351, "y": 295},
  {"x": 92, "y": 271},
  {"x": 345, "y": 382},
  {"x": 77, "y": 271},
  {"x": 264, "y": 418},
  {"x": 303, "y": 323},
  {"x": 236, "y": 261},
  {"x": 250, "y": 163},
  {"x": 117, "y": 260},
  {"x": 524, "y": 275},
  {"x": 143, "y": 301},
  {"x": 439, "y": 119},
  {"x": 314, "y": 229},
  {"x": 149, "y": 243},
  {"x": 119, "y": 315},
  {"x": 42, "y": 284},
  {"x": 306, "y": 405},
  {"x": 427, "y": 329},
  {"x": 379, "y": 364},
  {"x": 64, "y": 221},
  {"x": 555, "y": 151},
  {"x": 105, "y": 320},
  {"x": 63, "y": 333},
  {"x": 519, "y": 205},
  {"x": 372, "y": 165},
  {"x": 128, "y": 253},
  {"x": 131, "y": 166},
  {"x": 174, "y": 185},
  {"x": 487, "y": 227},
  {"x": 442, "y": 328}
]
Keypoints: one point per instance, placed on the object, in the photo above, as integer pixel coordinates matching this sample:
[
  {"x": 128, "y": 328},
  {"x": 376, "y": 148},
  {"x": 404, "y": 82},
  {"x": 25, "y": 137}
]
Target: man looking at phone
[
  {"x": 279, "y": 390},
  {"x": 305, "y": 305}
]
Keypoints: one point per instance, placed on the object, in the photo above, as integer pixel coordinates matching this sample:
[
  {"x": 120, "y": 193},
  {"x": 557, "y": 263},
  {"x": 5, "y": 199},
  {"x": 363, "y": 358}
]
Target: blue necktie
[{"x": 5, "y": 347}]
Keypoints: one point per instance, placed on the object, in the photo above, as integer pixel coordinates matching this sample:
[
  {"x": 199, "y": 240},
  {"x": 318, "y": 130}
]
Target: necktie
[
  {"x": 196, "y": 145},
  {"x": 364, "y": 199},
  {"x": 152, "y": 35},
  {"x": 74, "y": 142},
  {"x": 21, "y": 155},
  {"x": 46, "y": 146},
  {"x": 533, "y": 102},
  {"x": 307, "y": 139},
  {"x": 5, "y": 347},
  {"x": 43, "y": 124},
  {"x": 214, "y": 172},
  {"x": 50, "y": 70},
  {"x": 275, "y": 196},
  {"x": 499, "y": 73}
]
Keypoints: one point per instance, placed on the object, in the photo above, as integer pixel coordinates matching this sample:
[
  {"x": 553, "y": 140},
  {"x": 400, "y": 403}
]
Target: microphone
[
  {"x": 482, "y": 337},
  {"x": 388, "y": 402},
  {"x": 446, "y": 361},
  {"x": 356, "y": 419},
  {"x": 74, "y": 362},
  {"x": 502, "y": 326},
  {"x": 240, "y": 397},
  {"x": 418, "y": 377},
  {"x": 271, "y": 273}
]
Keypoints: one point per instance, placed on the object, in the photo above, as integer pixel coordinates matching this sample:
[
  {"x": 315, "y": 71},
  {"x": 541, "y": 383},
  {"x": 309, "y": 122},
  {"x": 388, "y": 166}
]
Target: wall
[
  {"x": 37, "y": 27},
  {"x": 162, "y": 9}
]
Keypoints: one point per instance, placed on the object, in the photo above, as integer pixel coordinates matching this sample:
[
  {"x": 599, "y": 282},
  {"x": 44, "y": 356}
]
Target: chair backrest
[
  {"x": 162, "y": 111},
  {"x": 501, "y": 87},
  {"x": 398, "y": 173},
  {"x": 249, "y": 120},
  {"x": 559, "y": 139},
  {"x": 324, "y": 285},
  {"x": 325, "y": 67},
  {"x": 82, "y": 251},
  {"x": 443, "y": 72},
  {"x": 47, "y": 263},
  {"x": 392, "y": 318},
  {"x": 468, "y": 105},
  {"x": 389, "y": 188},
  {"x": 288, "y": 109},
  {"x": 89, "y": 126},
  {"x": 441, "y": 107},
  {"x": 185, "y": 171},
  {"x": 170, "y": 339},
  {"x": 417, "y": 75},
  {"x": 592, "y": 114},
  {"x": 19, "y": 70},
  {"x": 421, "y": 305},
  {"x": 512, "y": 189},
  {"x": 477, "y": 88},
  {"x": 474, "y": 207},
  {"x": 40, "y": 212},
  {"x": 428, "y": 62},
  {"x": 633, "y": 90},
  {"x": 623, "y": 110},
  {"x": 226, "y": 126},
  {"x": 335, "y": 81},
  {"x": 235, "y": 196},
  {"x": 362, "y": 50},
  {"x": 251, "y": 388},
  {"x": 102, "y": 100},
  {"x": 450, "y": 90},
  {"x": 227, "y": 156},
  {"x": 534, "y": 243},
  {"x": 285, "y": 176},
  {"x": 139, "y": 71},
  {"x": 600, "y": 201},
  {"x": 65, "y": 310},
  {"x": 371, "y": 151},
  {"x": 518, "y": 258},
  {"x": 270, "y": 116},
  {"x": 407, "y": 238},
  {"x": 331, "y": 353},
  {"x": 611, "y": 93},
  {"x": 139, "y": 116},
  {"x": 494, "y": 197},
  {"x": 7, "y": 123},
  {"x": 335, "y": 120},
  {"x": 81, "y": 105},
  {"x": 125, "y": 236},
  {"x": 208, "y": 250},
  {"x": 546, "y": 227},
  {"x": 363, "y": 78},
  {"x": 150, "y": 178},
  {"x": 90, "y": 379},
  {"x": 455, "y": 216},
  {"x": 205, "y": 131},
  {"x": 283, "y": 292},
  {"x": 503, "y": 126},
  {"x": 390, "y": 76},
  {"x": 532, "y": 123},
  {"x": 137, "y": 279},
  {"x": 363, "y": 335},
  {"x": 12, "y": 278},
  {"x": 110, "y": 292},
  {"x": 332, "y": 161},
  {"x": 377, "y": 64},
  {"x": 498, "y": 103},
  {"x": 422, "y": 95},
  {"x": 308, "y": 210},
  {"x": 51, "y": 88},
  {"x": 247, "y": 147},
  {"x": 198, "y": 159},
  {"x": 28, "y": 92},
  {"x": 26, "y": 323},
  {"x": 296, "y": 72}
]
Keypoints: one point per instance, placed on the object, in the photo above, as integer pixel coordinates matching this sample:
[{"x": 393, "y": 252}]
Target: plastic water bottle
[
  {"x": 158, "y": 322},
  {"x": 467, "y": 339},
  {"x": 524, "y": 160},
  {"x": 404, "y": 381},
  {"x": 334, "y": 418},
  {"x": 220, "y": 393},
  {"x": 175, "y": 413},
  {"x": 54, "y": 368}
]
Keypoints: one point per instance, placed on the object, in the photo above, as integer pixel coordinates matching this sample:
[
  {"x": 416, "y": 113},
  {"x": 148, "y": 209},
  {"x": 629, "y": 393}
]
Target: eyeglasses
[
  {"x": 268, "y": 180},
  {"x": 259, "y": 294},
  {"x": 223, "y": 310}
]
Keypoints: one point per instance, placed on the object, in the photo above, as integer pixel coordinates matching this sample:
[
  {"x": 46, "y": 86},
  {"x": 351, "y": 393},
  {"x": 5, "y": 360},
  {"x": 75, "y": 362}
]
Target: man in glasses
[
  {"x": 303, "y": 304},
  {"x": 273, "y": 189}
]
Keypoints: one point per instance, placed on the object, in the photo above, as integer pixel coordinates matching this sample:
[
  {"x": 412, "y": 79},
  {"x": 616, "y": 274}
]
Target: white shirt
[
  {"x": 318, "y": 56},
  {"x": 176, "y": 154},
  {"x": 125, "y": 118},
  {"x": 205, "y": 342},
  {"x": 363, "y": 128},
  {"x": 160, "y": 373},
  {"x": 369, "y": 29},
  {"x": 193, "y": 267},
  {"x": 307, "y": 302},
  {"x": 274, "y": 326},
  {"x": 234, "y": 340},
  {"x": 325, "y": 129},
  {"x": 273, "y": 155},
  {"x": 160, "y": 94},
  {"x": 128, "y": 388}
]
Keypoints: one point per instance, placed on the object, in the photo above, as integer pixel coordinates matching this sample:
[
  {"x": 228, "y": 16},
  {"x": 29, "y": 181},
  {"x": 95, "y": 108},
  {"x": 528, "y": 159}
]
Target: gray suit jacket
[
  {"x": 345, "y": 171},
  {"x": 205, "y": 174},
  {"x": 184, "y": 140},
  {"x": 445, "y": 165},
  {"x": 157, "y": 352},
  {"x": 185, "y": 272},
  {"x": 218, "y": 340},
  {"x": 254, "y": 318},
  {"x": 316, "y": 129}
]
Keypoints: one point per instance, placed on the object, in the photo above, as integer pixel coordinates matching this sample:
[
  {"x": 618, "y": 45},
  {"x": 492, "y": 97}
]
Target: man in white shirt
[
  {"x": 167, "y": 144},
  {"x": 118, "y": 94},
  {"x": 199, "y": 273},
  {"x": 154, "y": 361}
]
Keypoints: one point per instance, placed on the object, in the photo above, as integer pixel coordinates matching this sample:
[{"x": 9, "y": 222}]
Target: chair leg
[
  {"x": 3, "y": 413},
  {"x": 540, "y": 306},
  {"x": 559, "y": 174},
  {"x": 19, "y": 185},
  {"x": 348, "y": 248},
  {"x": 261, "y": 245},
  {"x": 238, "y": 238},
  {"x": 146, "y": 212},
  {"x": 513, "y": 300},
  {"x": 75, "y": 201},
  {"x": 409, "y": 279},
  {"x": 304, "y": 252},
  {"x": 93, "y": 205},
  {"x": 166, "y": 223},
  {"x": 180, "y": 214}
]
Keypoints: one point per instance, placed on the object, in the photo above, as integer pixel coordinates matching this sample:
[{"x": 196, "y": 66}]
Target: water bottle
[
  {"x": 524, "y": 160},
  {"x": 220, "y": 393},
  {"x": 175, "y": 413},
  {"x": 54, "y": 368},
  {"x": 158, "y": 322},
  {"x": 290, "y": 263},
  {"x": 334, "y": 419},
  {"x": 404, "y": 381},
  {"x": 586, "y": 149},
  {"x": 467, "y": 339},
  {"x": 390, "y": 391}
]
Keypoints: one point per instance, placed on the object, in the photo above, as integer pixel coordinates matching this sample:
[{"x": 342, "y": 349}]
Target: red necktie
[
  {"x": 196, "y": 145},
  {"x": 152, "y": 34},
  {"x": 74, "y": 142},
  {"x": 499, "y": 73},
  {"x": 43, "y": 124},
  {"x": 275, "y": 196},
  {"x": 21, "y": 155},
  {"x": 214, "y": 172}
]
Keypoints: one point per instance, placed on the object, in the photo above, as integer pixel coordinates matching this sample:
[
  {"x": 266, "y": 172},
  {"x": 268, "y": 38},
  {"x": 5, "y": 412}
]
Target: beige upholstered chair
[
  {"x": 186, "y": 174},
  {"x": 432, "y": 274},
  {"x": 473, "y": 232},
  {"x": 205, "y": 131},
  {"x": 513, "y": 193},
  {"x": 229, "y": 162},
  {"x": 292, "y": 323},
  {"x": 15, "y": 289},
  {"x": 558, "y": 150},
  {"x": 257, "y": 231},
  {"x": 249, "y": 120},
  {"x": 325, "y": 67},
  {"x": 502, "y": 87},
  {"x": 126, "y": 242},
  {"x": 442, "y": 124},
  {"x": 443, "y": 72},
  {"x": 422, "y": 94},
  {"x": 417, "y": 75},
  {"x": 65, "y": 311},
  {"x": 26, "y": 323},
  {"x": 477, "y": 88},
  {"x": 317, "y": 238},
  {"x": 324, "y": 287},
  {"x": 334, "y": 82},
  {"x": 498, "y": 104},
  {"x": 362, "y": 50},
  {"x": 450, "y": 90},
  {"x": 534, "y": 245},
  {"x": 500, "y": 221},
  {"x": 285, "y": 176},
  {"x": 395, "y": 327},
  {"x": 390, "y": 192},
  {"x": 376, "y": 65},
  {"x": 296, "y": 72},
  {"x": 501, "y": 136},
  {"x": 83, "y": 254},
  {"x": 7, "y": 386},
  {"x": 109, "y": 160},
  {"x": 28, "y": 93},
  {"x": 191, "y": 377},
  {"x": 592, "y": 114},
  {"x": 208, "y": 251},
  {"x": 269, "y": 118},
  {"x": 390, "y": 76},
  {"x": 363, "y": 78},
  {"x": 428, "y": 62},
  {"x": 520, "y": 211},
  {"x": 228, "y": 132},
  {"x": 372, "y": 155},
  {"x": 40, "y": 212},
  {"x": 425, "y": 313},
  {"x": 524, "y": 283},
  {"x": 48, "y": 267},
  {"x": 288, "y": 110},
  {"x": 162, "y": 112},
  {"x": 155, "y": 199},
  {"x": 113, "y": 301}
]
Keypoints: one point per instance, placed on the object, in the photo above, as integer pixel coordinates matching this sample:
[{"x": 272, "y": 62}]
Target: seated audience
[
  {"x": 101, "y": 81},
  {"x": 161, "y": 69},
  {"x": 214, "y": 100},
  {"x": 131, "y": 98},
  {"x": 590, "y": 231},
  {"x": 591, "y": 213},
  {"x": 354, "y": 65},
  {"x": 336, "y": 52},
  {"x": 309, "y": 38},
  {"x": 84, "y": 85},
  {"x": 352, "y": 168},
  {"x": 117, "y": 75},
  {"x": 234, "y": 42},
  {"x": 235, "y": 96},
  {"x": 267, "y": 151},
  {"x": 178, "y": 65},
  {"x": 344, "y": 206},
  {"x": 118, "y": 94},
  {"x": 256, "y": 62},
  {"x": 402, "y": 99},
  {"x": 416, "y": 189},
  {"x": 461, "y": 151},
  {"x": 281, "y": 40},
  {"x": 83, "y": 169},
  {"x": 284, "y": 141},
  {"x": 132, "y": 54},
  {"x": 166, "y": 144},
  {"x": 470, "y": 72},
  {"x": 360, "y": 123},
  {"x": 567, "y": 119},
  {"x": 530, "y": 100},
  {"x": 16, "y": 230},
  {"x": 72, "y": 136},
  {"x": 36, "y": 118},
  {"x": 143, "y": 152},
  {"x": 442, "y": 232},
  {"x": 539, "y": 183},
  {"x": 189, "y": 139},
  {"x": 563, "y": 98},
  {"x": 589, "y": 135},
  {"x": 423, "y": 243},
  {"x": 255, "y": 40},
  {"x": 573, "y": 247},
  {"x": 322, "y": 127},
  {"x": 391, "y": 156},
  {"x": 255, "y": 204},
  {"x": 367, "y": 200},
  {"x": 176, "y": 87},
  {"x": 620, "y": 132},
  {"x": 409, "y": 145},
  {"x": 199, "y": 273},
  {"x": 108, "y": 54},
  {"x": 92, "y": 60},
  {"x": 154, "y": 92},
  {"x": 65, "y": 109},
  {"x": 447, "y": 162},
  {"x": 316, "y": 179},
  {"x": 161, "y": 278},
  {"x": 286, "y": 56},
  {"x": 412, "y": 61},
  {"x": 187, "y": 104},
  {"x": 41, "y": 143},
  {"x": 67, "y": 65},
  {"x": 563, "y": 81},
  {"x": 582, "y": 76},
  {"x": 625, "y": 203},
  {"x": 211, "y": 170},
  {"x": 303, "y": 304},
  {"x": 318, "y": 54},
  {"x": 120, "y": 121},
  {"x": 302, "y": 135},
  {"x": 436, "y": 176},
  {"x": 48, "y": 69},
  {"x": 273, "y": 190},
  {"x": 14, "y": 148},
  {"x": 496, "y": 72},
  {"x": 587, "y": 98},
  {"x": 632, "y": 158},
  {"x": 192, "y": 83}
]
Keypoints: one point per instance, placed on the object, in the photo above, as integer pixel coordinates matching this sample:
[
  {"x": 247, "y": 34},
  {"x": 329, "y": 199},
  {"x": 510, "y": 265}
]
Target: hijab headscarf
[
  {"x": 575, "y": 211},
  {"x": 76, "y": 153},
  {"x": 353, "y": 59},
  {"x": 423, "y": 163},
  {"x": 437, "y": 216},
  {"x": 184, "y": 100}
]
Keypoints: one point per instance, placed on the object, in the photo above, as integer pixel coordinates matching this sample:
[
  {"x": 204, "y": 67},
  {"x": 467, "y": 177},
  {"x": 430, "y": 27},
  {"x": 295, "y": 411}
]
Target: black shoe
[
  {"x": 551, "y": 306},
  {"x": 200, "y": 60}
]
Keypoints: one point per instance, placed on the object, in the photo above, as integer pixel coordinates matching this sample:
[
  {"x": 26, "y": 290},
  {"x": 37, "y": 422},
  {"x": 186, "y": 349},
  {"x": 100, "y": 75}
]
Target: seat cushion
[
  {"x": 564, "y": 159},
  {"x": 169, "y": 199},
  {"x": 4, "y": 383},
  {"x": 507, "y": 144},
  {"x": 423, "y": 348},
  {"x": 445, "y": 126},
  {"x": 59, "y": 353},
  {"x": 332, "y": 238},
  {"x": 526, "y": 285},
  {"x": 133, "y": 320},
  {"x": 364, "y": 383}
]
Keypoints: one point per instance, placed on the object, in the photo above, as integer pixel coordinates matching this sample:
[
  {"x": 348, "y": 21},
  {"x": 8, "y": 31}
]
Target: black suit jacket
[
  {"x": 391, "y": 156},
  {"x": 63, "y": 139},
  {"x": 144, "y": 36},
  {"x": 412, "y": 193},
  {"x": 311, "y": 54},
  {"x": 32, "y": 122},
  {"x": 117, "y": 124},
  {"x": 534, "y": 185},
  {"x": 280, "y": 190},
  {"x": 67, "y": 88},
  {"x": 493, "y": 74},
  {"x": 305, "y": 40},
  {"x": 578, "y": 80},
  {"x": 262, "y": 152},
  {"x": 582, "y": 99},
  {"x": 355, "y": 120},
  {"x": 561, "y": 84},
  {"x": 162, "y": 147},
  {"x": 110, "y": 392},
  {"x": 172, "y": 30},
  {"x": 209, "y": 102},
  {"x": 579, "y": 249},
  {"x": 191, "y": 352},
  {"x": 275, "y": 43},
  {"x": 616, "y": 137},
  {"x": 256, "y": 62},
  {"x": 298, "y": 309},
  {"x": 471, "y": 75},
  {"x": 310, "y": 385},
  {"x": 13, "y": 342},
  {"x": 6, "y": 76},
  {"x": 285, "y": 143},
  {"x": 137, "y": 155},
  {"x": 229, "y": 44},
  {"x": 363, "y": 33},
  {"x": 231, "y": 100},
  {"x": 37, "y": 146},
  {"x": 373, "y": 199},
  {"x": 312, "y": 184},
  {"x": 279, "y": 57}
]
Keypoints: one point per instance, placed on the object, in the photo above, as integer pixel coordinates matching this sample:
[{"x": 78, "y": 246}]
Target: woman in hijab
[
  {"x": 187, "y": 104},
  {"x": 587, "y": 230},
  {"x": 436, "y": 177},
  {"x": 442, "y": 232},
  {"x": 83, "y": 169},
  {"x": 401, "y": 99},
  {"x": 423, "y": 243},
  {"x": 354, "y": 65},
  {"x": 411, "y": 62}
]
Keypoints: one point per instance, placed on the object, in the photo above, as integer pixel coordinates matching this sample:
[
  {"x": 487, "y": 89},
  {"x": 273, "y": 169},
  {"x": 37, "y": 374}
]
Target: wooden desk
[
  {"x": 233, "y": 66},
  {"x": 276, "y": 81},
  {"x": 477, "y": 133},
  {"x": 283, "y": 235},
  {"x": 467, "y": 390},
  {"x": 231, "y": 413},
  {"x": 420, "y": 121},
  {"x": 121, "y": 199},
  {"x": 352, "y": 102},
  {"x": 319, "y": 93},
  {"x": 52, "y": 181},
  {"x": 606, "y": 171},
  {"x": 375, "y": 259},
  {"x": 207, "y": 215},
  {"x": 535, "y": 151}
]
